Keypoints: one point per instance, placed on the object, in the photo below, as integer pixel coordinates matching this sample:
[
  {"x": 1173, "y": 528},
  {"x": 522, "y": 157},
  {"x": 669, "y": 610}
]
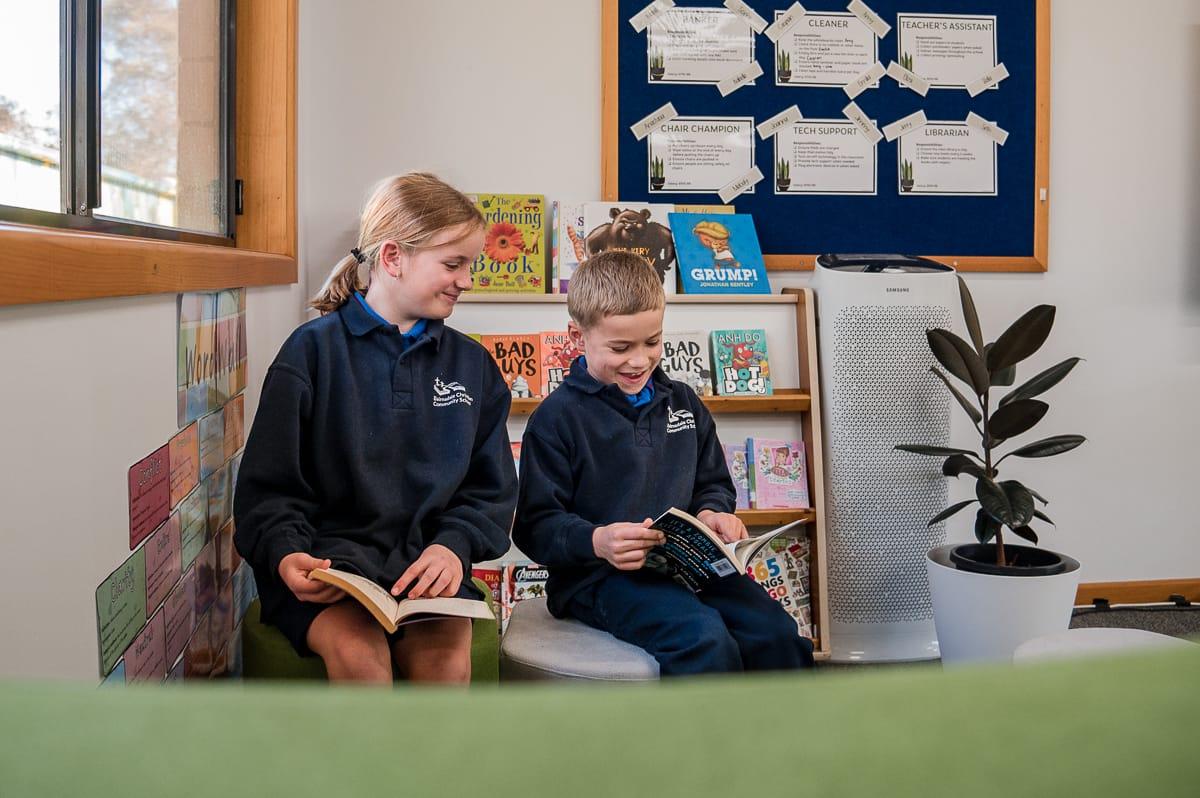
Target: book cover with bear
[{"x": 641, "y": 227}]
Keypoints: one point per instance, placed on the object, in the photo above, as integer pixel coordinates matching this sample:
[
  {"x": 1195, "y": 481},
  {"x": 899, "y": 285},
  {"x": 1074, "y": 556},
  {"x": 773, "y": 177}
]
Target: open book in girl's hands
[
  {"x": 392, "y": 613},
  {"x": 694, "y": 555}
]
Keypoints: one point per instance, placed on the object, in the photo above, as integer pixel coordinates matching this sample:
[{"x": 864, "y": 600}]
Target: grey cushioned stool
[{"x": 537, "y": 647}]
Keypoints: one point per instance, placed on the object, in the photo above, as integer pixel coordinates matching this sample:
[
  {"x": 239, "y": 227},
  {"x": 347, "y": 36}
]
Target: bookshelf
[{"x": 790, "y": 320}]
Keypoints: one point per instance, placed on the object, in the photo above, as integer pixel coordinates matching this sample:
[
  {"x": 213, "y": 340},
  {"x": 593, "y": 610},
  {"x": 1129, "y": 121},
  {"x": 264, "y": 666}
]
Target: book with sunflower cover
[{"x": 513, "y": 260}]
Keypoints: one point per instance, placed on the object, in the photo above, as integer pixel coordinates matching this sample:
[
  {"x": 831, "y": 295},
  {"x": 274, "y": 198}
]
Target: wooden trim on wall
[
  {"x": 1154, "y": 591},
  {"x": 266, "y": 125},
  {"x": 41, "y": 264},
  {"x": 610, "y": 21}
]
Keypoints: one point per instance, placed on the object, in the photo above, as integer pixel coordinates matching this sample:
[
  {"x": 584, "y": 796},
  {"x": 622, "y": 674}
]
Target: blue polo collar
[{"x": 360, "y": 319}]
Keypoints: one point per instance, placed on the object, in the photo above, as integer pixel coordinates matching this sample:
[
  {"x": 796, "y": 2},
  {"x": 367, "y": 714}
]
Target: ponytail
[{"x": 339, "y": 286}]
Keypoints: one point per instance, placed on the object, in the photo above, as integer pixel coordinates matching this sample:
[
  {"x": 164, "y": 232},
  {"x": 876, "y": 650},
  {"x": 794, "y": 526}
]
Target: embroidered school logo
[
  {"x": 450, "y": 393},
  {"x": 679, "y": 420}
]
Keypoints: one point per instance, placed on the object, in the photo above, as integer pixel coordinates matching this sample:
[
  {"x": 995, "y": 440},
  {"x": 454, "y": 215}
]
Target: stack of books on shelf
[
  {"x": 720, "y": 363},
  {"x": 695, "y": 249},
  {"x": 769, "y": 474}
]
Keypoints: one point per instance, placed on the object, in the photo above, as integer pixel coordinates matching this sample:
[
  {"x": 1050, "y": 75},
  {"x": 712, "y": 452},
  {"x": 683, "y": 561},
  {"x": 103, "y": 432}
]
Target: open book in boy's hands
[
  {"x": 694, "y": 555},
  {"x": 392, "y": 613}
]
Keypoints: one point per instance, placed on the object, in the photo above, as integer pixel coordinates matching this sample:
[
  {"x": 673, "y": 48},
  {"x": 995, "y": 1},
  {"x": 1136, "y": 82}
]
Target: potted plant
[
  {"x": 906, "y": 176},
  {"x": 657, "y": 65},
  {"x": 657, "y": 176},
  {"x": 783, "y": 66},
  {"x": 783, "y": 174},
  {"x": 990, "y": 596}
]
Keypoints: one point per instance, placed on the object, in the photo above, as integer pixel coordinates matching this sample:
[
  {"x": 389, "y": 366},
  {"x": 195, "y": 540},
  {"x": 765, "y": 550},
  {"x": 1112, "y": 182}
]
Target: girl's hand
[
  {"x": 437, "y": 572},
  {"x": 727, "y": 525},
  {"x": 293, "y": 570}
]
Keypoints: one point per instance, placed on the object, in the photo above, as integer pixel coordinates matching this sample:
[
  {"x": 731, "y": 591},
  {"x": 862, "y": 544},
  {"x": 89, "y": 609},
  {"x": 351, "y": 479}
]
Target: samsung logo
[{"x": 897, "y": 290}]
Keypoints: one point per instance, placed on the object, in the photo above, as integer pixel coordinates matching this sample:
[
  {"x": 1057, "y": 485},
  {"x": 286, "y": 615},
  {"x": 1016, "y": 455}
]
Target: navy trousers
[{"x": 731, "y": 625}]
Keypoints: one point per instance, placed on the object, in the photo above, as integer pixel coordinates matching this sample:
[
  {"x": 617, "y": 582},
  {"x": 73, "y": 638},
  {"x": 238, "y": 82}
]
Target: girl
[{"x": 380, "y": 445}]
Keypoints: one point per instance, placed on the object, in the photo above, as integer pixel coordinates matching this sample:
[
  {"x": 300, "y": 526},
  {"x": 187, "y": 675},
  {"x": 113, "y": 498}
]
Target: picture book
[
  {"x": 778, "y": 474},
  {"x": 685, "y": 358},
  {"x": 521, "y": 581},
  {"x": 391, "y": 613},
  {"x": 718, "y": 254},
  {"x": 641, "y": 227},
  {"x": 735, "y": 459},
  {"x": 740, "y": 363},
  {"x": 513, "y": 260},
  {"x": 694, "y": 556},
  {"x": 517, "y": 357},
  {"x": 567, "y": 242},
  {"x": 556, "y": 354},
  {"x": 516, "y": 453}
]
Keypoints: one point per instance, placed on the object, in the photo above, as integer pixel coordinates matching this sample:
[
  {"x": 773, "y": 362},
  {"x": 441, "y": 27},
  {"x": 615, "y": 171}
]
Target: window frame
[{"x": 41, "y": 262}]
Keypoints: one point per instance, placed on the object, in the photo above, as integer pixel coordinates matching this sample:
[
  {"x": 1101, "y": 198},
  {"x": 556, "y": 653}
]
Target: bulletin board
[{"x": 971, "y": 227}]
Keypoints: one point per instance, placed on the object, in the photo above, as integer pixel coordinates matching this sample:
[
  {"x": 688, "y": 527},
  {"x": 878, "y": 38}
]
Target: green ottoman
[{"x": 266, "y": 653}]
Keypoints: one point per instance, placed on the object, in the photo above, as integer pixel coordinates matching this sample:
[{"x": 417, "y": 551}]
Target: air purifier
[{"x": 877, "y": 391}]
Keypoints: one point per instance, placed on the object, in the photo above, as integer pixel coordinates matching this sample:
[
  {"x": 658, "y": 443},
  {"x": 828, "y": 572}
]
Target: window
[{"x": 116, "y": 116}]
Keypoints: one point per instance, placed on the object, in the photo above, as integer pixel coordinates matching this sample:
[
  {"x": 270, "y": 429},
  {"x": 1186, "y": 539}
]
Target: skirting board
[{"x": 1155, "y": 591}]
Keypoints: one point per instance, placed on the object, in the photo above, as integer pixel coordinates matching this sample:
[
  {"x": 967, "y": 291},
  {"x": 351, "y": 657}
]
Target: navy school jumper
[
  {"x": 367, "y": 448},
  {"x": 590, "y": 458}
]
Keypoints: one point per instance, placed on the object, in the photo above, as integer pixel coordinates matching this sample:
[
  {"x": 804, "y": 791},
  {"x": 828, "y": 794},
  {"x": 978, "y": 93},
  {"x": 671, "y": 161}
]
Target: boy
[{"x": 619, "y": 442}]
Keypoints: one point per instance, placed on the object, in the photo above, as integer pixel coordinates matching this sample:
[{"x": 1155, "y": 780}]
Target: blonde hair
[
  {"x": 613, "y": 283},
  {"x": 409, "y": 209}
]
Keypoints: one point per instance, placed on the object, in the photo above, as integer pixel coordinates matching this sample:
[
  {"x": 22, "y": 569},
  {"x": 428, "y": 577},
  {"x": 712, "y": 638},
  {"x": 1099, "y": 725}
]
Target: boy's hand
[
  {"x": 727, "y": 525},
  {"x": 625, "y": 545},
  {"x": 293, "y": 570},
  {"x": 437, "y": 572}
]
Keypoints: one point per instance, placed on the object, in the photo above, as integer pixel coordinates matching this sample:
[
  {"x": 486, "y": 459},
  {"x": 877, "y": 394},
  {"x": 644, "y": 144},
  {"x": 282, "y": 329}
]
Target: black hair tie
[{"x": 358, "y": 256}]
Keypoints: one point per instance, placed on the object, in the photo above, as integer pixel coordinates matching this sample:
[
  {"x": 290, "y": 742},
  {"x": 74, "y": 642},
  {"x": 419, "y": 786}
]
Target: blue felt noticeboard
[{"x": 1003, "y": 232}]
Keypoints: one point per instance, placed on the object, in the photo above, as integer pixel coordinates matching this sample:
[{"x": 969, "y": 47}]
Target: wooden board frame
[{"x": 1038, "y": 262}]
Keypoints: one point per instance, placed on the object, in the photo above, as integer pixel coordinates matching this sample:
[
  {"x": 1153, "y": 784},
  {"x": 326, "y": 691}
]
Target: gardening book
[
  {"x": 718, "y": 254},
  {"x": 556, "y": 354},
  {"x": 685, "y": 358},
  {"x": 567, "y": 242},
  {"x": 735, "y": 459},
  {"x": 519, "y": 362},
  {"x": 740, "y": 363},
  {"x": 513, "y": 260},
  {"x": 641, "y": 227},
  {"x": 393, "y": 614},
  {"x": 778, "y": 474},
  {"x": 694, "y": 556}
]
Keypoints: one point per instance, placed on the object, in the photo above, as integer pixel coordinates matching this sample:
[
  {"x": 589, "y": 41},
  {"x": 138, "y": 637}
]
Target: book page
[
  {"x": 364, "y": 590},
  {"x": 421, "y": 609},
  {"x": 745, "y": 550}
]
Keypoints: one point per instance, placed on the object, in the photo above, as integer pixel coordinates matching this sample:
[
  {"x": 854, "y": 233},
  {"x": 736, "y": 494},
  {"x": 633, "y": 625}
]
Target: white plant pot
[{"x": 983, "y": 618}]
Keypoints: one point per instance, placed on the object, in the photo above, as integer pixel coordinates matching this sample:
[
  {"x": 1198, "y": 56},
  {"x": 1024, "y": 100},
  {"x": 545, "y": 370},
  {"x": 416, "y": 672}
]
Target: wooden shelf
[
  {"x": 784, "y": 400},
  {"x": 672, "y": 299},
  {"x": 776, "y": 517}
]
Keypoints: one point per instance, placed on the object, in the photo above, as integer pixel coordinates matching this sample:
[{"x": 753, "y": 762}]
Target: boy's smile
[{"x": 622, "y": 350}]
